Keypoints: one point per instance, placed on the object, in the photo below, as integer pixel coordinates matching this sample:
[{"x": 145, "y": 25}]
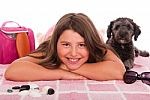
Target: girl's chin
[{"x": 70, "y": 67}]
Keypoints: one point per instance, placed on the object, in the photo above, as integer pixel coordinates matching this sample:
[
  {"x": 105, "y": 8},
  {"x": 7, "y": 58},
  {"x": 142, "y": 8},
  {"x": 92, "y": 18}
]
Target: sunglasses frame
[{"x": 132, "y": 76}]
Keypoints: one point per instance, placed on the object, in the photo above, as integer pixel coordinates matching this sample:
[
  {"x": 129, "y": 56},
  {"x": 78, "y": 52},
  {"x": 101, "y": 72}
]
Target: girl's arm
[
  {"x": 26, "y": 69},
  {"x": 111, "y": 68}
]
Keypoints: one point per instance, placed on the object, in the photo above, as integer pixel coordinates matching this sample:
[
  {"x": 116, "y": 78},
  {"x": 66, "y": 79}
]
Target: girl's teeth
[{"x": 73, "y": 59}]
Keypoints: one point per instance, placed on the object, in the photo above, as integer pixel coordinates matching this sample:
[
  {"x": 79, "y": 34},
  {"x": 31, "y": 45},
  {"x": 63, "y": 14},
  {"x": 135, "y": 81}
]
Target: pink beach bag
[{"x": 8, "y": 50}]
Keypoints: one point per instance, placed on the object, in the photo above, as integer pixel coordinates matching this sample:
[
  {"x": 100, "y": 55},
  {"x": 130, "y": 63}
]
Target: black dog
[{"x": 120, "y": 33}]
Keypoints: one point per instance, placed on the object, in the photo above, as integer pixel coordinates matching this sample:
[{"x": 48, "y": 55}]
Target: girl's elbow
[
  {"x": 119, "y": 76},
  {"x": 11, "y": 77},
  {"x": 8, "y": 75},
  {"x": 11, "y": 72},
  {"x": 120, "y": 72}
]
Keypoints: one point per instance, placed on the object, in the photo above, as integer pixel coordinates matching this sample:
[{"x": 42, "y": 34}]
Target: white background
[{"x": 40, "y": 15}]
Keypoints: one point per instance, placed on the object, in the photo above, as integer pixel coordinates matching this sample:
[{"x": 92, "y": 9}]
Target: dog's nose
[{"x": 123, "y": 34}]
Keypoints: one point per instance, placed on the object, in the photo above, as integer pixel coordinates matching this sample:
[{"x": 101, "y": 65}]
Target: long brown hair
[{"x": 81, "y": 24}]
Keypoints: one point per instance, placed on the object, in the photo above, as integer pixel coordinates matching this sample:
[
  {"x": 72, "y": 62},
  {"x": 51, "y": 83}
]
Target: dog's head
[{"x": 123, "y": 29}]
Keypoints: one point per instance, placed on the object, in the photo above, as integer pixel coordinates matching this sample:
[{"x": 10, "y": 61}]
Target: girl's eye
[
  {"x": 65, "y": 44},
  {"x": 82, "y": 45}
]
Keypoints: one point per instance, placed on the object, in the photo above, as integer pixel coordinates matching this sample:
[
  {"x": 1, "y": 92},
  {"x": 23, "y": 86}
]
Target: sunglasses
[{"x": 131, "y": 76}]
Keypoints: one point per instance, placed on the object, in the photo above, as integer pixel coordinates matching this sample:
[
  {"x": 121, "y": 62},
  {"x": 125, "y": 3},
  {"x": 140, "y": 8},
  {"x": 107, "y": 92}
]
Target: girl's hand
[
  {"x": 62, "y": 66},
  {"x": 66, "y": 75}
]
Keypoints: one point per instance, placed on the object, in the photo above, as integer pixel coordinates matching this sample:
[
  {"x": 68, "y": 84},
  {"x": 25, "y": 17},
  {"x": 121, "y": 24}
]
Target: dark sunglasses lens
[
  {"x": 130, "y": 77},
  {"x": 146, "y": 78}
]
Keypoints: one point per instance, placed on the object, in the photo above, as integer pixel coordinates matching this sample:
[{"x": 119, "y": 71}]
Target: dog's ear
[
  {"x": 137, "y": 30},
  {"x": 109, "y": 29}
]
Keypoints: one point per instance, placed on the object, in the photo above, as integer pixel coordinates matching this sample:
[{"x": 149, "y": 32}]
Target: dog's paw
[
  {"x": 144, "y": 54},
  {"x": 129, "y": 64}
]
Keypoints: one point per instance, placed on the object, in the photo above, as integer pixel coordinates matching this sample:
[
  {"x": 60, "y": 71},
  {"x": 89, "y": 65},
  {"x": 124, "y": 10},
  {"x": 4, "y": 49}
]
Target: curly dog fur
[{"x": 120, "y": 33}]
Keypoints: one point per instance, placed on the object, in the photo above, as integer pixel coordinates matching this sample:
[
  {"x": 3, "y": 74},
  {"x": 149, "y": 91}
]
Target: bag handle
[
  {"x": 4, "y": 24},
  {"x": 13, "y": 30}
]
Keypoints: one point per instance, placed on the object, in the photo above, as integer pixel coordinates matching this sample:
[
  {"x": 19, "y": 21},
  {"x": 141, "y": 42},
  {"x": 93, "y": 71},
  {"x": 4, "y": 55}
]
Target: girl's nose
[{"x": 74, "y": 51}]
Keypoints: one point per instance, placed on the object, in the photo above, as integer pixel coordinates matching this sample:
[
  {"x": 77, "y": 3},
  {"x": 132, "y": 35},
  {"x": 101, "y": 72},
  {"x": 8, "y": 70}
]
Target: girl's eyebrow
[{"x": 64, "y": 41}]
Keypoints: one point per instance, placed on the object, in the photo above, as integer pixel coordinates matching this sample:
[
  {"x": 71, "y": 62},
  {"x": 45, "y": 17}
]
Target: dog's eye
[
  {"x": 128, "y": 26},
  {"x": 117, "y": 26}
]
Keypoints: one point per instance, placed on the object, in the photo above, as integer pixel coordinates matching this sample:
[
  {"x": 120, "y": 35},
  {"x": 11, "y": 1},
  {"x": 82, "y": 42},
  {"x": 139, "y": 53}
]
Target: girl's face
[{"x": 72, "y": 50}]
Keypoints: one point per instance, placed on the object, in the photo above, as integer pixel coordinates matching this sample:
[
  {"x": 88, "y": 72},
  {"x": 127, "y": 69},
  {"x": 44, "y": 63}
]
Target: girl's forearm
[
  {"x": 28, "y": 71},
  {"x": 106, "y": 70}
]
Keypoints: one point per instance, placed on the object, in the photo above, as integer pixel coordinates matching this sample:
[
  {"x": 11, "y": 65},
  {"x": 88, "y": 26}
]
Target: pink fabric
[
  {"x": 83, "y": 89},
  {"x": 49, "y": 32},
  {"x": 43, "y": 37}
]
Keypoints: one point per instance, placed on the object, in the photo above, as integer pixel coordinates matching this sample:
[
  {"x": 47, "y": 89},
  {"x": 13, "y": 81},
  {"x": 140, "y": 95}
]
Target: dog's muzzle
[
  {"x": 123, "y": 34},
  {"x": 123, "y": 37}
]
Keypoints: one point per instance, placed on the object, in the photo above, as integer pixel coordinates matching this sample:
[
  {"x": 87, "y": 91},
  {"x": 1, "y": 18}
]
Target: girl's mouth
[{"x": 73, "y": 60}]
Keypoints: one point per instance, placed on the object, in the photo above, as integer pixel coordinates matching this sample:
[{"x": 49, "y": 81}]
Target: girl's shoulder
[
  {"x": 31, "y": 57},
  {"x": 110, "y": 55}
]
